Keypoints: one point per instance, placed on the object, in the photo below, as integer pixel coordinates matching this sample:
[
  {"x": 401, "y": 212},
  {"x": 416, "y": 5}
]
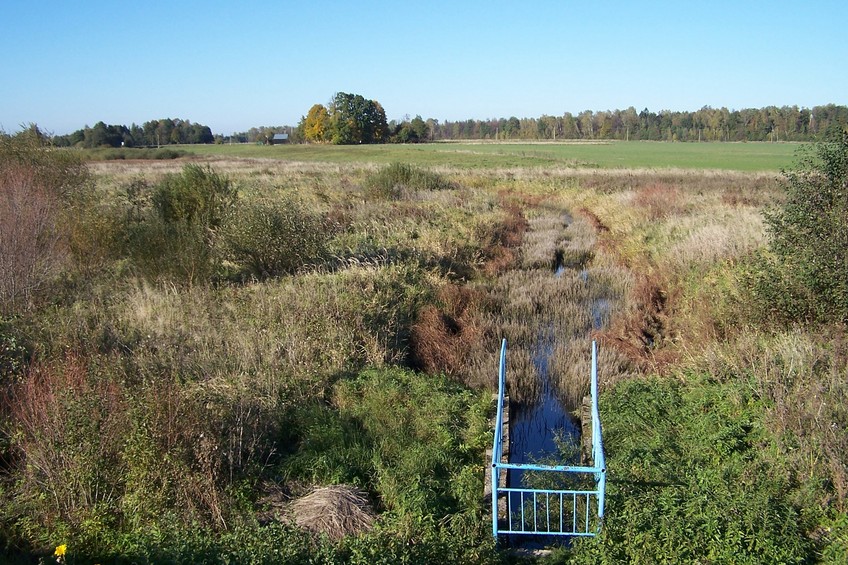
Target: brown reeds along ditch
[{"x": 195, "y": 354}]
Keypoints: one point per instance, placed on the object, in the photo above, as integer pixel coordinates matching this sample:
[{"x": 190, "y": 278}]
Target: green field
[{"x": 749, "y": 157}]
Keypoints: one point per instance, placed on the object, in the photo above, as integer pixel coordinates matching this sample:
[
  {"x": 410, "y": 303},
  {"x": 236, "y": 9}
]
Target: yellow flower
[{"x": 60, "y": 550}]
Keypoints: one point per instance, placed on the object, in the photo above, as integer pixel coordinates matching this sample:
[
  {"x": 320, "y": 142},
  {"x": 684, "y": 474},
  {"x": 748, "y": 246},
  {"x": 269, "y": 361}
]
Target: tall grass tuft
[{"x": 399, "y": 180}]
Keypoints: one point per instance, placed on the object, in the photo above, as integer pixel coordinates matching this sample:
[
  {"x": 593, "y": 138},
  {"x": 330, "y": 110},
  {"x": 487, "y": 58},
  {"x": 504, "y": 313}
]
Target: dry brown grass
[
  {"x": 445, "y": 335},
  {"x": 724, "y": 235},
  {"x": 644, "y": 329},
  {"x": 544, "y": 239},
  {"x": 659, "y": 200},
  {"x": 336, "y": 511},
  {"x": 503, "y": 237}
]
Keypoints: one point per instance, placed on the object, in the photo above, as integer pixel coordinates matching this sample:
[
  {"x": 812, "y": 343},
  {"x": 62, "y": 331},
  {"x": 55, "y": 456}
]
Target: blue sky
[{"x": 233, "y": 65}]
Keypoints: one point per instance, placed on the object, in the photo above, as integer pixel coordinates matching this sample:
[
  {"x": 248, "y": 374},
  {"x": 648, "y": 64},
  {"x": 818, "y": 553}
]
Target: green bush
[
  {"x": 267, "y": 239},
  {"x": 396, "y": 180},
  {"x": 806, "y": 276},
  {"x": 175, "y": 236},
  {"x": 196, "y": 196}
]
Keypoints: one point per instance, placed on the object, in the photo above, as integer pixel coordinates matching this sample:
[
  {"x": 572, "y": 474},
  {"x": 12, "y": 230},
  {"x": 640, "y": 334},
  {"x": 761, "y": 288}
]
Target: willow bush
[{"x": 805, "y": 275}]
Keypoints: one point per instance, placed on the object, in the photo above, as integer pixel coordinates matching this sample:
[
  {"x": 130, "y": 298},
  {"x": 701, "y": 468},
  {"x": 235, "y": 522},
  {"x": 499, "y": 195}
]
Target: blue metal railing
[{"x": 559, "y": 511}]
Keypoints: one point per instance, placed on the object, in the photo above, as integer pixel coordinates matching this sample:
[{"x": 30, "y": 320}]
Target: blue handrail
[
  {"x": 535, "y": 506},
  {"x": 497, "y": 447}
]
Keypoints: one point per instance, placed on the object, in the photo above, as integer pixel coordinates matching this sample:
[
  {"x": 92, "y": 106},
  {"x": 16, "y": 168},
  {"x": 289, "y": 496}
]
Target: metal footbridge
[{"x": 574, "y": 503}]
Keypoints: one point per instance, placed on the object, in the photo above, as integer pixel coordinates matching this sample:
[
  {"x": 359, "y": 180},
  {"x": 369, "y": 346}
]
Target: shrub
[
  {"x": 183, "y": 450},
  {"x": 112, "y": 154},
  {"x": 177, "y": 252},
  {"x": 36, "y": 185},
  {"x": 30, "y": 250},
  {"x": 62, "y": 173},
  {"x": 196, "y": 196},
  {"x": 66, "y": 424},
  {"x": 805, "y": 277},
  {"x": 175, "y": 238},
  {"x": 268, "y": 239},
  {"x": 13, "y": 351}
]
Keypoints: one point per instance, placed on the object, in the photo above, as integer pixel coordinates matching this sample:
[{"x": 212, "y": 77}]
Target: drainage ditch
[{"x": 543, "y": 427}]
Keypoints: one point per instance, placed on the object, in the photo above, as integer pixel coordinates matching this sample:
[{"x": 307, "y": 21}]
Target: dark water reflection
[{"x": 535, "y": 426}]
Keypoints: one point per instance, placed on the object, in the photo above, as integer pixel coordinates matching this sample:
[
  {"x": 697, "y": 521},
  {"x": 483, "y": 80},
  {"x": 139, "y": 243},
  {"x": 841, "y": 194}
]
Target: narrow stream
[{"x": 535, "y": 427}]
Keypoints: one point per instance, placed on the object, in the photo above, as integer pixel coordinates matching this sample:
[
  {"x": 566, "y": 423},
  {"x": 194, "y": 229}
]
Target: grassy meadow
[
  {"x": 212, "y": 341},
  {"x": 746, "y": 157}
]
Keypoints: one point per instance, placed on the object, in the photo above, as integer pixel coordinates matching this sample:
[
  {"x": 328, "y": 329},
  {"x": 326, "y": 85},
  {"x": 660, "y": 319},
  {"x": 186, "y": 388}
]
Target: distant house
[{"x": 279, "y": 138}]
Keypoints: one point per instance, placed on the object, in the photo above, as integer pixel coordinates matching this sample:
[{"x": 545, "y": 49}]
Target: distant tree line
[
  {"x": 261, "y": 134},
  {"x": 353, "y": 119},
  {"x": 153, "y": 133},
  {"x": 787, "y": 123}
]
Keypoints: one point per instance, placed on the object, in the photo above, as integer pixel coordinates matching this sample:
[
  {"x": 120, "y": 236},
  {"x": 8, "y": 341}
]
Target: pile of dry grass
[{"x": 336, "y": 511}]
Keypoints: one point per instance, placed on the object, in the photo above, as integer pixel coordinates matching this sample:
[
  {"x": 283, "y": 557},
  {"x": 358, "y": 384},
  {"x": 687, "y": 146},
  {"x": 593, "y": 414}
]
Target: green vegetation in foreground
[
  {"x": 748, "y": 157},
  {"x": 694, "y": 477}
]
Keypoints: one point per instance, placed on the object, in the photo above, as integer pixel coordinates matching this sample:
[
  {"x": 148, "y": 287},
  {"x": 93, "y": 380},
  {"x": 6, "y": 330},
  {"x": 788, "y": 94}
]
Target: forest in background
[
  {"x": 787, "y": 123},
  {"x": 154, "y": 133},
  {"x": 771, "y": 123}
]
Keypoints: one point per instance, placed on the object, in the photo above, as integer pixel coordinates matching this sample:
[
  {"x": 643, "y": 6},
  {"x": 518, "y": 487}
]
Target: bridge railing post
[{"x": 497, "y": 446}]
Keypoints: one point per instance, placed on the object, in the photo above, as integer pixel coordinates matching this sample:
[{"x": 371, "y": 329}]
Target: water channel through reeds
[{"x": 562, "y": 294}]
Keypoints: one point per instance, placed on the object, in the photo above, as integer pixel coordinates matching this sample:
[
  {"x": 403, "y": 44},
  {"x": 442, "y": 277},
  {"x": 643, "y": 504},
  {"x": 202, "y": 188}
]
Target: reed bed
[{"x": 551, "y": 305}]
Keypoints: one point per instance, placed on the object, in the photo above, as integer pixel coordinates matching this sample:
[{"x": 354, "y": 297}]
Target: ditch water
[
  {"x": 533, "y": 433},
  {"x": 535, "y": 427}
]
